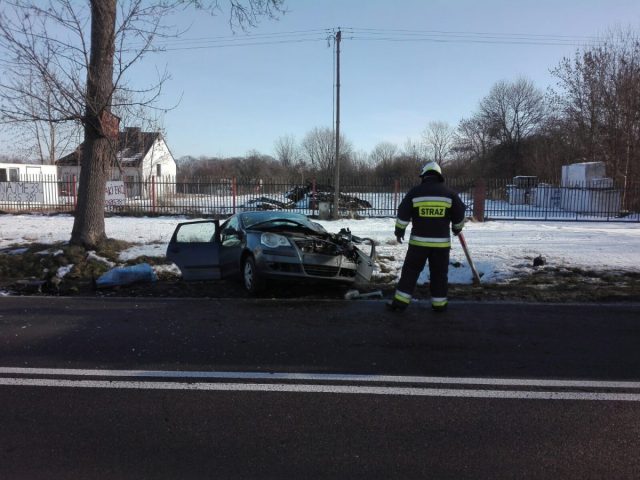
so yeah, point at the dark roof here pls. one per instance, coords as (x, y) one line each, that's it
(133, 145)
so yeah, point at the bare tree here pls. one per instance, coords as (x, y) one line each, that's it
(472, 139)
(512, 112)
(598, 101)
(76, 76)
(318, 146)
(45, 140)
(287, 151)
(438, 141)
(383, 152)
(414, 150)
(358, 164)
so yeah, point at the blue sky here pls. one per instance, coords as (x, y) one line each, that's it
(237, 98)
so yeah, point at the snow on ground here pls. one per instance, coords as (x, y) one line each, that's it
(499, 248)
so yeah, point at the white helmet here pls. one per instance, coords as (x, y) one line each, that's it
(431, 167)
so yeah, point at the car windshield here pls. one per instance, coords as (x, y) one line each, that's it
(278, 219)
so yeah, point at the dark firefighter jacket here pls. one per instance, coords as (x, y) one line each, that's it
(430, 207)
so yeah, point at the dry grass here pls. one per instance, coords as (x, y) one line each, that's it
(33, 271)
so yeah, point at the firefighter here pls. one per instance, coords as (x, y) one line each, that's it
(431, 207)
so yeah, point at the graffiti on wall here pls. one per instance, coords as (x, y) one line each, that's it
(21, 192)
(114, 194)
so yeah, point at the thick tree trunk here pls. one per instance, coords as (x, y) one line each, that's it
(98, 153)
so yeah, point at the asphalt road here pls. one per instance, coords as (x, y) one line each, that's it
(149, 388)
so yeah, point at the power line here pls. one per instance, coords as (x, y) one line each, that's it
(465, 33)
(226, 45)
(255, 35)
(170, 44)
(460, 41)
(438, 36)
(376, 35)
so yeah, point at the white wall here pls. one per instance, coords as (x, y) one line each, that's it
(589, 190)
(35, 184)
(66, 173)
(159, 154)
(32, 169)
(580, 174)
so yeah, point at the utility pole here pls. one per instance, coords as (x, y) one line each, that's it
(336, 163)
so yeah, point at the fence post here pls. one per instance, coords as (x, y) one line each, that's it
(234, 192)
(396, 189)
(153, 194)
(313, 197)
(74, 193)
(479, 197)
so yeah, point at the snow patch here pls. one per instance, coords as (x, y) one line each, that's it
(63, 271)
(153, 250)
(17, 251)
(499, 249)
(48, 252)
(91, 255)
(171, 269)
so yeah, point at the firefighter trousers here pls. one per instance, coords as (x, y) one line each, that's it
(438, 271)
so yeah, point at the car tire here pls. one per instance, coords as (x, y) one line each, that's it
(251, 279)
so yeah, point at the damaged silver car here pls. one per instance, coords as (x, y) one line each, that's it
(260, 246)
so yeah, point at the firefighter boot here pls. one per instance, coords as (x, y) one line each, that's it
(439, 308)
(396, 306)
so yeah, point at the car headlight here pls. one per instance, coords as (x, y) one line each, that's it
(273, 240)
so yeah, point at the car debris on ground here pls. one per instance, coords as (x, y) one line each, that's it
(356, 295)
(119, 276)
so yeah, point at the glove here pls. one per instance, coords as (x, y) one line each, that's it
(457, 228)
(399, 233)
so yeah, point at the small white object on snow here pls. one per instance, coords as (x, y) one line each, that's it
(91, 255)
(63, 271)
(355, 294)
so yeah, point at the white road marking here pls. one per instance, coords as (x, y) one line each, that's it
(334, 389)
(321, 377)
(311, 388)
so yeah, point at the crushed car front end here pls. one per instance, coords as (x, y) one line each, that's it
(328, 257)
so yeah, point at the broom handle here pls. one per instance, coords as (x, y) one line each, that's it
(463, 242)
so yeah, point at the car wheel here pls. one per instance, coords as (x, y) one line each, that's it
(253, 282)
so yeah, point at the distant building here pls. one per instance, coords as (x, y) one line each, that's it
(16, 172)
(142, 157)
(23, 183)
(588, 191)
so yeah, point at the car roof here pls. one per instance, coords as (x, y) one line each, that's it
(264, 215)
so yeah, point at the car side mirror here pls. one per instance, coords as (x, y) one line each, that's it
(229, 232)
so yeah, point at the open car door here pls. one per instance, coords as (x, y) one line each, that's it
(195, 249)
(365, 262)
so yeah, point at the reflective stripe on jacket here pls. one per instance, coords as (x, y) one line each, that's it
(430, 207)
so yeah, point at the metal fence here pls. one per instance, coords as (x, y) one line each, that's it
(360, 197)
(588, 201)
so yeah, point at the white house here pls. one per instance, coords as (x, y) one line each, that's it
(143, 158)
